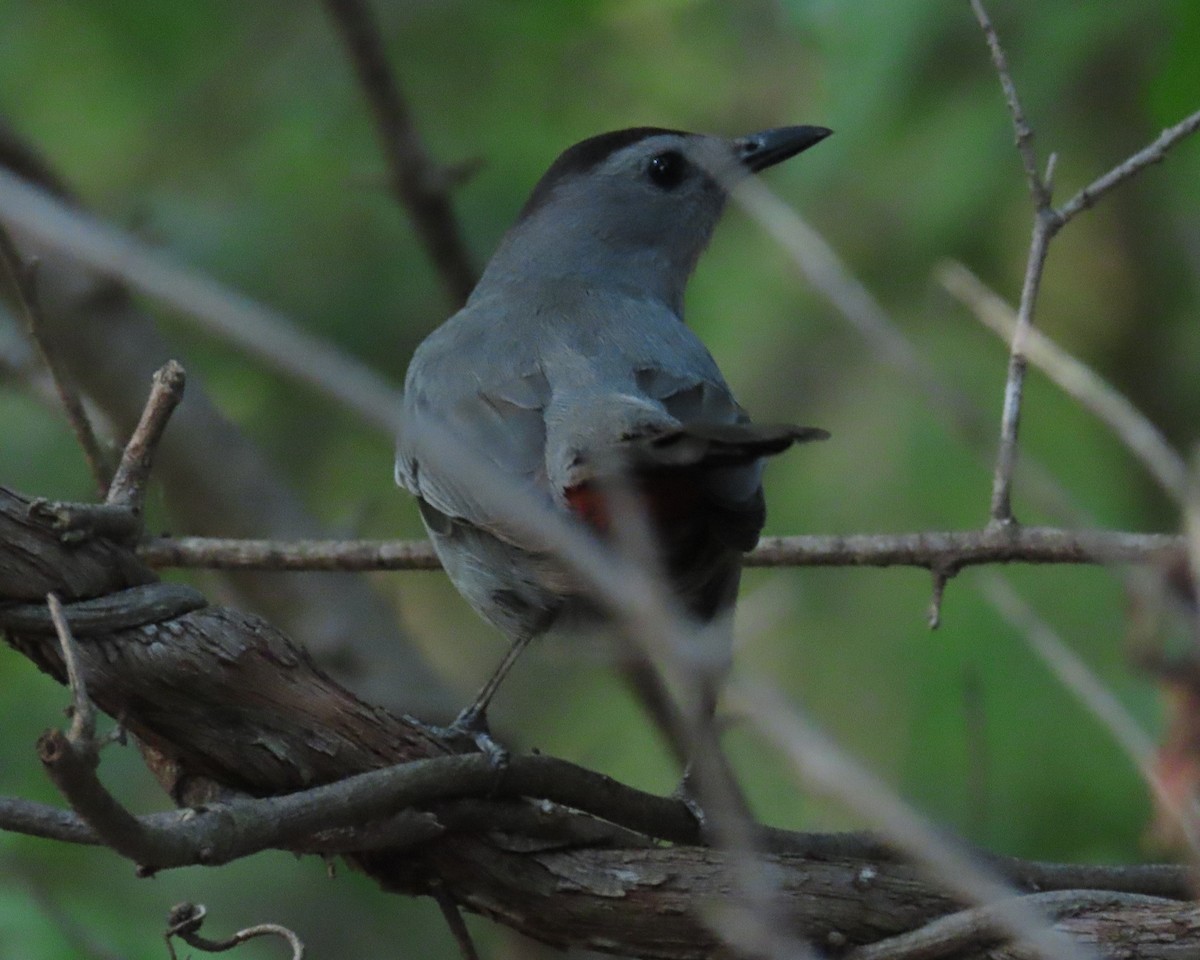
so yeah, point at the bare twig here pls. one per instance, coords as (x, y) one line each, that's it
(128, 488)
(948, 551)
(22, 279)
(185, 920)
(420, 184)
(1078, 380)
(261, 332)
(1047, 222)
(1153, 153)
(454, 920)
(1038, 188)
(221, 833)
(1044, 226)
(83, 715)
(979, 927)
(1010, 417)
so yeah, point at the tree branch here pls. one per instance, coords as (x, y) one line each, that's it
(949, 551)
(21, 279)
(419, 184)
(202, 690)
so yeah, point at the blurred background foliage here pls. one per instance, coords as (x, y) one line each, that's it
(234, 136)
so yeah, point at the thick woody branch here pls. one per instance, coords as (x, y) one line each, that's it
(202, 689)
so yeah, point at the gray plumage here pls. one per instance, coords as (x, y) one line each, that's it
(572, 353)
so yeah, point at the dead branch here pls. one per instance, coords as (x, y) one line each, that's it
(20, 278)
(215, 479)
(202, 690)
(946, 551)
(418, 183)
(1047, 221)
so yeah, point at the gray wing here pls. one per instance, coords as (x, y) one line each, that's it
(529, 393)
(458, 398)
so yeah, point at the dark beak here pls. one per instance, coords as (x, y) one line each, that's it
(757, 151)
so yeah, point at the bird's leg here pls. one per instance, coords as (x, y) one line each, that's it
(471, 723)
(474, 717)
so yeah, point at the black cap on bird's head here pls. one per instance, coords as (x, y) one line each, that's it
(752, 153)
(635, 208)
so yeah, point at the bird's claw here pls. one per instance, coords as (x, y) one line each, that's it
(471, 727)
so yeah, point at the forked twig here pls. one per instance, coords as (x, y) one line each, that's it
(1047, 222)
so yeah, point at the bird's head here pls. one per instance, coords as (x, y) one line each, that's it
(635, 208)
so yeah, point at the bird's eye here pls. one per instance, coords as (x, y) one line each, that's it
(667, 170)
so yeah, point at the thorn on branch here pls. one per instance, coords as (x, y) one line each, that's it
(941, 576)
(185, 919)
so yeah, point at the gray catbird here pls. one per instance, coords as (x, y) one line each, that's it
(571, 355)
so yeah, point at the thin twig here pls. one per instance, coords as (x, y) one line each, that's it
(454, 920)
(974, 929)
(420, 184)
(1044, 226)
(22, 279)
(185, 919)
(1024, 133)
(83, 715)
(1014, 385)
(1047, 222)
(1078, 380)
(128, 488)
(1153, 153)
(948, 551)
(221, 833)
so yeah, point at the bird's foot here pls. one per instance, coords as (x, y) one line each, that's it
(469, 727)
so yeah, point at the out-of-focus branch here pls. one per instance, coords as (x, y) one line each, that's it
(258, 330)
(215, 479)
(1101, 702)
(185, 685)
(948, 551)
(1080, 381)
(20, 278)
(419, 183)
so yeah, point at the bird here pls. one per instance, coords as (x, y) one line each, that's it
(570, 355)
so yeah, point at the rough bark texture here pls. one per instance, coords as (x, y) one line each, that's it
(216, 480)
(222, 701)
